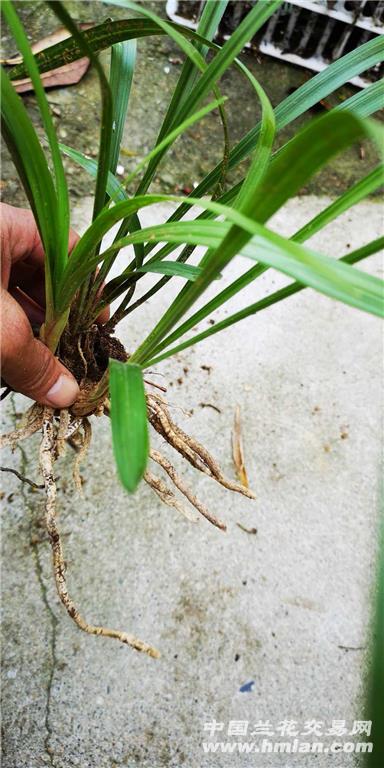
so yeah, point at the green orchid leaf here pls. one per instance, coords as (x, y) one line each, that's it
(129, 422)
(172, 268)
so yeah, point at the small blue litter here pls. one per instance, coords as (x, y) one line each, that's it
(247, 687)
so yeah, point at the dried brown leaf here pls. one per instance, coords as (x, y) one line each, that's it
(68, 74)
(237, 450)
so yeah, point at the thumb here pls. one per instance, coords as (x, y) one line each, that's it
(28, 366)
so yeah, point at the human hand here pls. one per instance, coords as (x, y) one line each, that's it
(28, 366)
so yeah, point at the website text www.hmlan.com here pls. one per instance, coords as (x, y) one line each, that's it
(295, 746)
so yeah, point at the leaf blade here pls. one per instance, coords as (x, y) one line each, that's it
(173, 269)
(123, 59)
(129, 422)
(311, 148)
(59, 203)
(114, 188)
(283, 293)
(106, 104)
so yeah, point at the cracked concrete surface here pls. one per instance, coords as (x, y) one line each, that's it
(286, 608)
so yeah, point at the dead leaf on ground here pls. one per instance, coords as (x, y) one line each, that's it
(237, 450)
(68, 74)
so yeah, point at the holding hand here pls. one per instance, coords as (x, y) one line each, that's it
(28, 366)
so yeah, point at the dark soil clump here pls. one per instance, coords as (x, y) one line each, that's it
(87, 354)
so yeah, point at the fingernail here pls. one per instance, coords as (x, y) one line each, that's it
(64, 392)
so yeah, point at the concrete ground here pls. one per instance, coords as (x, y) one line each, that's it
(266, 626)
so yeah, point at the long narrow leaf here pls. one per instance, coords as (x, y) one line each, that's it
(176, 116)
(299, 159)
(346, 127)
(99, 38)
(115, 192)
(319, 87)
(246, 30)
(362, 104)
(132, 223)
(354, 129)
(213, 11)
(57, 259)
(259, 162)
(33, 170)
(106, 110)
(172, 268)
(352, 196)
(211, 73)
(108, 33)
(169, 29)
(129, 422)
(365, 102)
(351, 258)
(311, 268)
(123, 58)
(114, 189)
(305, 97)
(331, 277)
(172, 135)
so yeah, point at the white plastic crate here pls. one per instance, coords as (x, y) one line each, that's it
(309, 33)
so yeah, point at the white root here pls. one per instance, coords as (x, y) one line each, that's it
(47, 454)
(167, 496)
(31, 423)
(82, 452)
(77, 431)
(178, 482)
(65, 420)
(188, 447)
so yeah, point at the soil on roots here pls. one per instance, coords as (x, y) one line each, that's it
(87, 354)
